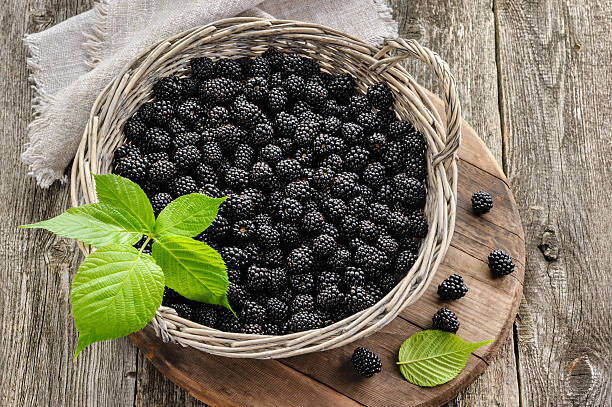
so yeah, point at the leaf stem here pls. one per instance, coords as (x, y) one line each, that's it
(144, 245)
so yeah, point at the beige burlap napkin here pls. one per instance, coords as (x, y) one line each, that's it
(71, 62)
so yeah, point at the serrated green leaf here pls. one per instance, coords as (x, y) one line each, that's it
(192, 268)
(96, 224)
(188, 215)
(430, 358)
(127, 197)
(115, 292)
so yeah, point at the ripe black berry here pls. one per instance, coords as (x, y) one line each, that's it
(365, 362)
(445, 320)
(500, 263)
(481, 202)
(452, 288)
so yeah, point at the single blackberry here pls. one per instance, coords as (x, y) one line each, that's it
(294, 86)
(175, 127)
(353, 276)
(302, 302)
(262, 134)
(268, 237)
(323, 246)
(271, 154)
(163, 111)
(183, 310)
(262, 219)
(285, 124)
(243, 230)
(276, 310)
(302, 283)
(290, 234)
(334, 209)
(399, 130)
(277, 99)
(349, 226)
(380, 96)
(133, 167)
(187, 157)
(259, 67)
(239, 206)
(376, 144)
(145, 113)
(233, 257)
(358, 207)
(324, 144)
(314, 93)
(227, 68)
(481, 202)
(340, 260)
(365, 362)
(386, 194)
(257, 279)
(409, 191)
(358, 104)
(357, 159)
(275, 80)
(190, 87)
(370, 259)
(327, 279)
(157, 139)
(275, 58)
(385, 118)
(305, 133)
(245, 64)
(452, 288)
(205, 174)
(394, 155)
(368, 231)
(160, 201)
(289, 210)
(287, 145)
(312, 222)
(416, 166)
(388, 245)
(273, 257)
(300, 260)
(252, 329)
(342, 87)
(236, 178)
(358, 299)
(253, 313)
(244, 111)
(273, 329)
(236, 293)
(218, 91)
(256, 89)
(168, 88)
(134, 130)
(379, 213)
(229, 137)
(332, 108)
(329, 298)
(186, 139)
(500, 263)
(182, 185)
(211, 154)
(253, 252)
(261, 175)
(417, 224)
(368, 121)
(219, 228)
(217, 116)
(405, 261)
(202, 68)
(234, 276)
(304, 321)
(288, 170)
(299, 190)
(227, 322)
(277, 280)
(206, 315)
(345, 185)
(243, 157)
(445, 320)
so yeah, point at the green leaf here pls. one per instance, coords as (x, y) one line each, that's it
(115, 292)
(188, 215)
(127, 197)
(95, 224)
(192, 268)
(430, 358)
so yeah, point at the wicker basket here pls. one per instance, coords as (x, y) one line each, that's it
(337, 52)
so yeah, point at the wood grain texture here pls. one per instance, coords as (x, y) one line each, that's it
(557, 117)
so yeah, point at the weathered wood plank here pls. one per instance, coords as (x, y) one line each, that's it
(463, 33)
(38, 337)
(556, 85)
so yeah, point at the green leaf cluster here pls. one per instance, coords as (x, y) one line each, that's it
(431, 357)
(118, 288)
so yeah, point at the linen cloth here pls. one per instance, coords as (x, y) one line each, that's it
(73, 61)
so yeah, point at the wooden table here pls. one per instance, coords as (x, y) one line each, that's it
(535, 79)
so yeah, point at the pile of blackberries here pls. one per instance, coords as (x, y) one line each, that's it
(326, 186)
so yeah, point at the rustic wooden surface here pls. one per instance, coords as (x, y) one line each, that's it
(535, 81)
(487, 312)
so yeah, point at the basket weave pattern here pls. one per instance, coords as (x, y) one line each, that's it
(336, 52)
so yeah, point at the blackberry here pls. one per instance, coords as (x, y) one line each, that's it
(500, 263)
(239, 206)
(259, 67)
(481, 202)
(275, 80)
(187, 157)
(211, 153)
(253, 252)
(329, 298)
(379, 213)
(245, 64)
(206, 315)
(163, 111)
(273, 257)
(357, 159)
(168, 88)
(182, 185)
(300, 107)
(368, 121)
(415, 142)
(219, 228)
(368, 231)
(262, 219)
(394, 155)
(134, 130)
(380, 96)
(271, 154)
(365, 362)
(183, 311)
(277, 99)
(257, 279)
(290, 234)
(302, 283)
(275, 58)
(385, 118)
(445, 320)
(133, 167)
(145, 113)
(334, 209)
(244, 111)
(300, 260)
(157, 139)
(374, 290)
(377, 144)
(452, 288)
(202, 68)
(299, 190)
(304, 321)
(305, 133)
(288, 170)
(417, 224)
(234, 276)
(342, 87)
(205, 174)
(186, 139)
(322, 178)
(294, 86)
(252, 329)
(160, 201)
(358, 207)
(285, 124)
(211, 190)
(236, 178)
(262, 134)
(416, 166)
(228, 323)
(399, 129)
(312, 222)
(253, 313)
(345, 185)
(358, 299)
(302, 302)
(277, 280)
(233, 257)
(370, 259)
(227, 68)
(353, 276)
(323, 246)
(386, 194)
(331, 125)
(409, 191)
(273, 329)
(289, 210)
(352, 133)
(236, 293)
(243, 230)
(324, 144)
(175, 127)
(357, 105)
(349, 226)
(261, 175)
(229, 137)
(277, 310)
(243, 157)
(388, 245)
(268, 237)
(315, 94)
(405, 261)
(340, 260)
(256, 89)
(190, 87)
(217, 116)
(327, 279)
(218, 91)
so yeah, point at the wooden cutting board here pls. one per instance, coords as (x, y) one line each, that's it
(326, 378)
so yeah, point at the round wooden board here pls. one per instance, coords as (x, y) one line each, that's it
(326, 378)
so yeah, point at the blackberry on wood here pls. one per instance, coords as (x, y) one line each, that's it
(452, 288)
(445, 320)
(365, 362)
(481, 202)
(500, 263)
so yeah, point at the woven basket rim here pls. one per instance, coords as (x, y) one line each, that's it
(101, 136)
